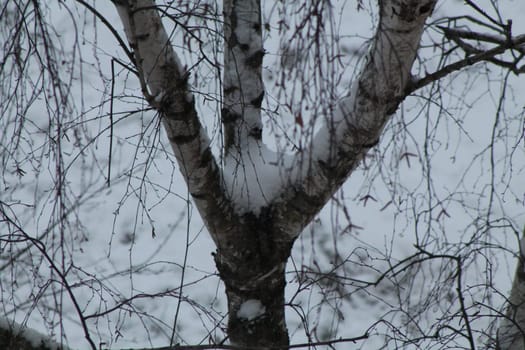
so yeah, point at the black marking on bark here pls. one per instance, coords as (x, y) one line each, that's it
(335, 174)
(206, 157)
(230, 90)
(520, 272)
(391, 109)
(229, 116)
(267, 244)
(196, 195)
(371, 144)
(256, 133)
(365, 90)
(426, 8)
(183, 139)
(232, 40)
(142, 37)
(325, 167)
(394, 11)
(244, 47)
(256, 248)
(400, 31)
(233, 16)
(251, 261)
(257, 102)
(255, 60)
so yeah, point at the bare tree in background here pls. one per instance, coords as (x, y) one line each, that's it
(256, 201)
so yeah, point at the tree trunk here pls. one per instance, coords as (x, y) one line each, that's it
(253, 229)
(252, 266)
(511, 333)
(256, 314)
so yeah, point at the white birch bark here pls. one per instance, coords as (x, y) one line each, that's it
(164, 84)
(243, 85)
(353, 129)
(360, 117)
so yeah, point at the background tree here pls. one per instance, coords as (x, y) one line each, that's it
(254, 197)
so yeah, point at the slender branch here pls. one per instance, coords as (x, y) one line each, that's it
(183, 273)
(233, 347)
(489, 55)
(461, 298)
(64, 215)
(468, 34)
(62, 274)
(482, 12)
(110, 28)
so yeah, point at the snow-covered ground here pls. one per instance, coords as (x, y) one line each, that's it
(446, 177)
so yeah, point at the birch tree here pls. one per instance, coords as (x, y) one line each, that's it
(256, 202)
(255, 232)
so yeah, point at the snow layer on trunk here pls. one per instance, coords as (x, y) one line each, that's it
(251, 309)
(255, 176)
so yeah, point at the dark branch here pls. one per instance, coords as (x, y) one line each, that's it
(516, 43)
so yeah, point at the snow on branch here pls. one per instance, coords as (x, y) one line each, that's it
(359, 118)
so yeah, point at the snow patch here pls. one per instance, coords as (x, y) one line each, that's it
(255, 176)
(33, 337)
(159, 97)
(251, 309)
(338, 127)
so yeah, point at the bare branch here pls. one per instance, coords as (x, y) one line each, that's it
(234, 347)
(489, 55)
(53, 265)
(109, 26)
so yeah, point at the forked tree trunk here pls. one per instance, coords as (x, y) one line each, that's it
(254, 232)
(253, 244)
